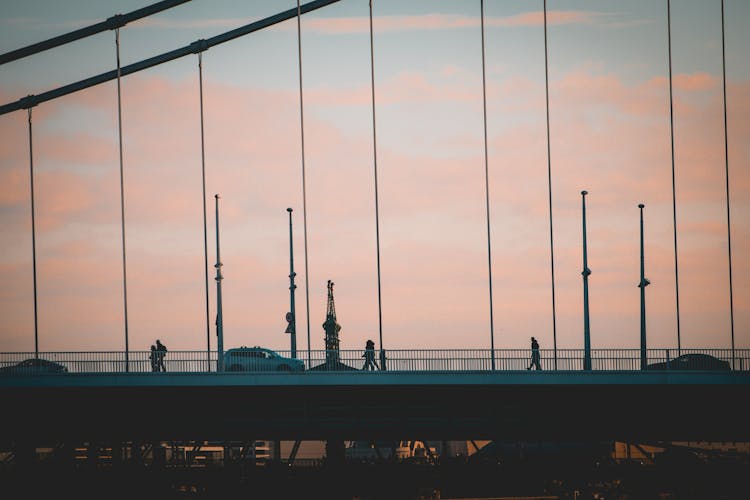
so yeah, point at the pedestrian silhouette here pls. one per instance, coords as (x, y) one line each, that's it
(534, 355)
(161, 351)
(153, 358)
(369, 356)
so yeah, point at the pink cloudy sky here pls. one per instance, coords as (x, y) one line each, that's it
(609, 113)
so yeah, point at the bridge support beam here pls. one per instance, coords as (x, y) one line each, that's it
(335, 451)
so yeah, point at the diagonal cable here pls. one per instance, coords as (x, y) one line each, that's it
(726, 165)
(487, 189)
(549, 188)
(205, 225)
(377, 202)
(674, 190)
(304, 178)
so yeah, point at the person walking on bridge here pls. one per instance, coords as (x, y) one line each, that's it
(369, 356)
(535, 357)
(153, 357)
(161, 351)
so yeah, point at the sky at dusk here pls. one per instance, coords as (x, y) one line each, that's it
(610, 135)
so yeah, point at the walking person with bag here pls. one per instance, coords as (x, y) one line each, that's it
(161, 351)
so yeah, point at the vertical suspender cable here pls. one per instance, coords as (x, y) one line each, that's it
(726, 164)
(122, 202)
(487, 188)
(377, 202)
(304, 185)
(33, 236)
(549, 188)
(674, 195)
(205, 228)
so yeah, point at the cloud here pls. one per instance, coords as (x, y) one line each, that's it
(36, 23)
(153, 22)
(13, 187)
(693, 82)
(608, 136)
(387, 24)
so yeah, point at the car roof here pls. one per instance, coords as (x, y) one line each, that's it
(245, 348)
(38, 361)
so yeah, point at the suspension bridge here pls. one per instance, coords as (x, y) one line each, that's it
(480, 393)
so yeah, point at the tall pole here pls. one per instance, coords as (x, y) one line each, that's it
(726, 164)
(122, 203)
(291, 315)
(487, 192)
(642, 284)
(33, 235)
(674, 193)
(586, 272)
(219, 314)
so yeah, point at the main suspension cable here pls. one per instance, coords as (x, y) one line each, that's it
(189, 49)
(487, 189)
(114, 22)
(304, 183)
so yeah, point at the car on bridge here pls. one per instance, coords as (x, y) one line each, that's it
(33, 366)
(251, 359)
(693, 361)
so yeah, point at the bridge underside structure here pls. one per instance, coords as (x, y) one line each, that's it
(530, 406)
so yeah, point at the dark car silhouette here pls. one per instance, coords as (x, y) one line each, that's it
(692, 362)
(250, 359)
(33, 366)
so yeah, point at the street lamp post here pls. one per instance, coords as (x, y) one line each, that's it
(586, 272)
(642, 284)
(219, 314)
(291, 315)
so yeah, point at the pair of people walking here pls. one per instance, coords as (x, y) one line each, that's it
(369, 356)
(156, 357)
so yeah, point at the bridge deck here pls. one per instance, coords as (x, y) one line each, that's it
(382, 405)
(385, 378)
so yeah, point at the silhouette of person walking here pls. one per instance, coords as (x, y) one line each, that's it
(161, 351)
(534, 355)
(153, 358)
(369, 356)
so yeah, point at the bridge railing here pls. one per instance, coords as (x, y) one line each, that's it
(402, 360)
(105, 362)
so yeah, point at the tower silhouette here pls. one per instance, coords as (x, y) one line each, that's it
(332, 328)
